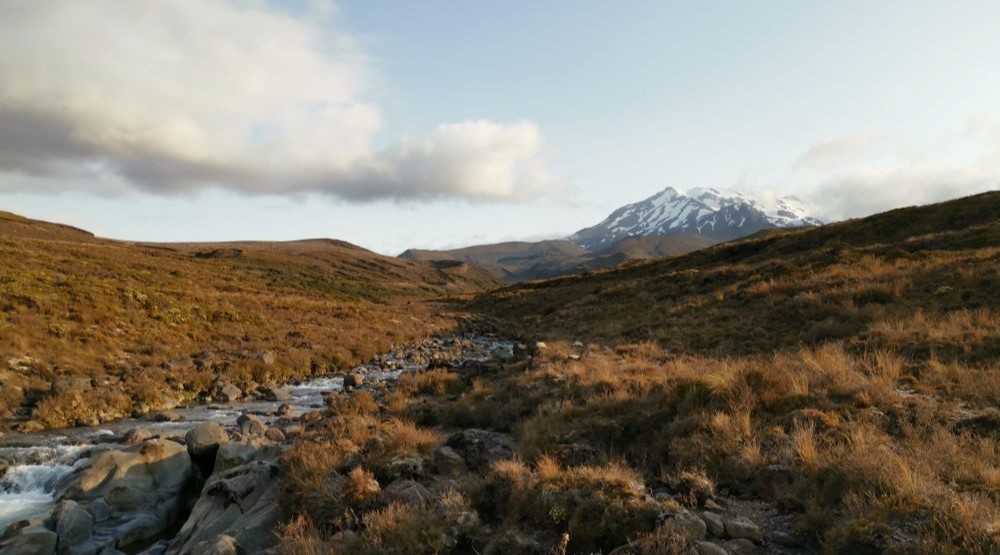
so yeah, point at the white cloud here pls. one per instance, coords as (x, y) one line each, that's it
(185, 95)
(873, 176)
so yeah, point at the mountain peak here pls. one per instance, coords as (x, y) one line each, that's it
(720, 215)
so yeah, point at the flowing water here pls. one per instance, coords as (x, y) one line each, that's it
(38, 461)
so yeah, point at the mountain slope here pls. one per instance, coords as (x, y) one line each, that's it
(511, 261)
(846, 375)
(148, 325)
(780, 288)
(709, 212)
(520, 261)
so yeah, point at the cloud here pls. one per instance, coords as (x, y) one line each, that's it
(893, 173)
(180, 96)
(836, 150)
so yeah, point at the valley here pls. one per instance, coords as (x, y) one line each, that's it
(807, 390)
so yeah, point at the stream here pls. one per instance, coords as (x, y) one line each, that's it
(38, 461)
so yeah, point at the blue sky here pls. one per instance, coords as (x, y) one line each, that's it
(437, 124)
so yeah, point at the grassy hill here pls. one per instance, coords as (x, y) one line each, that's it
(520, 261)
(847, 375)
(78, 312)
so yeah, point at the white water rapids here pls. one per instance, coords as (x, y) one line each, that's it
(26, 489)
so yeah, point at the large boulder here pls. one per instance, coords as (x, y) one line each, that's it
(143, 487)
(72, 524)
(481, 448)
(155, 468)
(204, 439)
(32, 540)
(241, 503)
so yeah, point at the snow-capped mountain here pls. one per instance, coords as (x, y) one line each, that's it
(719, 215)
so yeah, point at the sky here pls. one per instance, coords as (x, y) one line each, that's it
(441, 124)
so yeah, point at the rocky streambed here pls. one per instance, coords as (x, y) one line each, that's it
(194, 480)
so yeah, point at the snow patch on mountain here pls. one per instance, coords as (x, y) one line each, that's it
(721, 215)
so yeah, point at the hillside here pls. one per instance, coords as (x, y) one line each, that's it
(842, 379)
(520, 261)
(79, 312)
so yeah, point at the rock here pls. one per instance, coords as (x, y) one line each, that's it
(167, 416)
(240, 502)
(311, 416)
(481, 448)
(742, 527)
(72, 524)
(14, 528)
(227, 392)
(154, 469)
(204, 440)
(32, 540)
(110, 551)
(406, 492)
(233, 454)
(136, 436)
(448, 462)
(406, 467)
(778, 537)
(277, 394)
(286, 409)
(100, 510)
(685, 522)
(251, 425)
(221, 545)
(714, 524)
(709, 548)
(275, 435)
(712, 505)
(540, 346)
(740, 546)
(353, 380)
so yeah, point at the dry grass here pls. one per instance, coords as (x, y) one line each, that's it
(135, 318)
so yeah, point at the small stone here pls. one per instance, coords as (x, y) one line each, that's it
(406, 492)
(167, 416)
(100, 510)
(227, 392)
(714, 523)
(742, 527)
(285, 409)
(448, 461)
(709, 548)
(135, 436)
(713, 505)
(741, 546)
(275, 435)
(353, 380)
(277, 394)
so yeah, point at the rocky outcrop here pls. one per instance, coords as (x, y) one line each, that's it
(239, 502)
(138, 493)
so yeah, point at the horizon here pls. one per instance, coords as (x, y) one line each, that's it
(405, 129)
